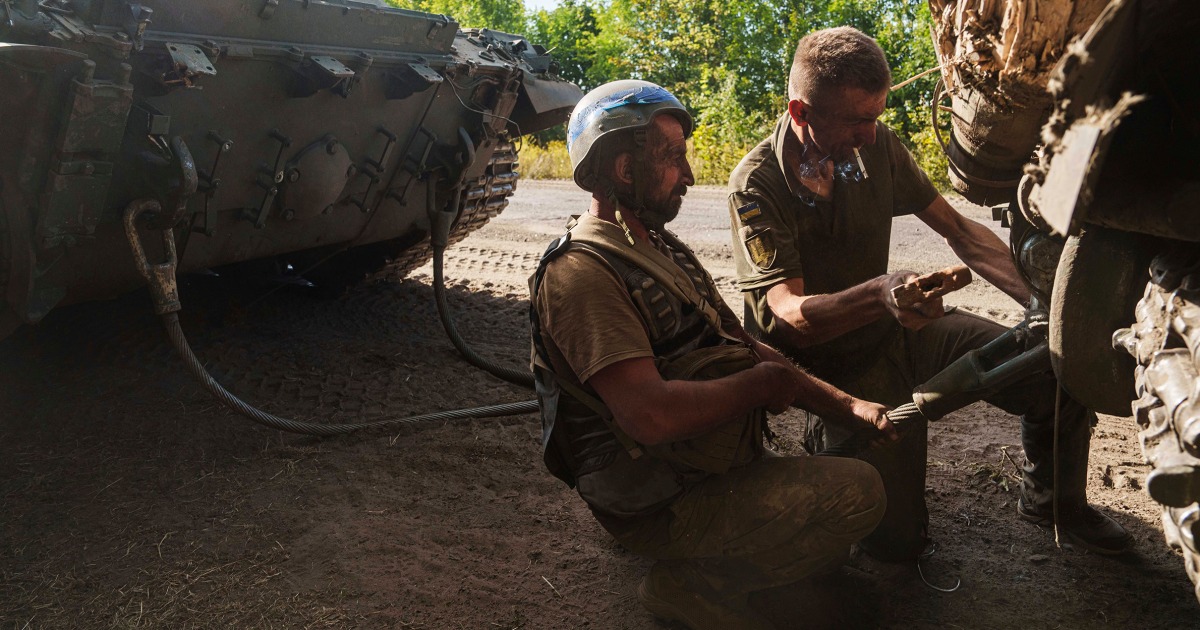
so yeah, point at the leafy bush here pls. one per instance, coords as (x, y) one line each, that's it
(931, 158)
(725, 131)
(714, 155)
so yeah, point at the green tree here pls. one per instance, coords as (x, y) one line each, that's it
(725, 129)
(727, 60)
(568, 32)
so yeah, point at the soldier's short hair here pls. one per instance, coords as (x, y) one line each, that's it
(835, 58)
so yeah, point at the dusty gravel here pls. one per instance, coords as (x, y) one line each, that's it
(132, 499)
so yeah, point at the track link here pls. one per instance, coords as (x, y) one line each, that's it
(1165, 341)
(481, 201)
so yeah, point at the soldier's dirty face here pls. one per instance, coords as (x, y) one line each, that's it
(840, 122)
(670, 171)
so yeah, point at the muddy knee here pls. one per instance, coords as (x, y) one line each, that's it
(863, 500)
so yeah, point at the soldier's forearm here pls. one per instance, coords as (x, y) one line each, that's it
(653, 411)
(989, 257)
(807, 320)
(832, 404)
(813, 394)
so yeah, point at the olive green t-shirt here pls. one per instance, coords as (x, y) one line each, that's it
(588, 320)
(833, 245)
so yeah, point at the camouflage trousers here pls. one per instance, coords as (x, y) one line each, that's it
(912, 358)
(769, 523)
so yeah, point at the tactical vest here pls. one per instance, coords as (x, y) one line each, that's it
(582, 445)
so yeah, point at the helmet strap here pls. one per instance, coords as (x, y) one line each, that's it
(612, 198)
(638, 178)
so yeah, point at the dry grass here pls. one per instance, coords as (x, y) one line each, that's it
(710, 164)
(185, 587)
(545, 162)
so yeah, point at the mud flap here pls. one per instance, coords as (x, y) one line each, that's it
(1100, 277)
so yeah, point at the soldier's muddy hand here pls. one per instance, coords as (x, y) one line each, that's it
(918, 315)
(875, 415)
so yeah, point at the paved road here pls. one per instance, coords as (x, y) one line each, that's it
(542, 208)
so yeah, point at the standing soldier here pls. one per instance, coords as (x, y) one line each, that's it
(653, 396)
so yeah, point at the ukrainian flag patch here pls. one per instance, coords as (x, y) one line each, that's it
(749, 212)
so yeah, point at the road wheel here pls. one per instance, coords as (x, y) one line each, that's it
(1165, 342)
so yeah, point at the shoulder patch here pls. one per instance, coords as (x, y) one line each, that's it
(761, 248)
(749, 212)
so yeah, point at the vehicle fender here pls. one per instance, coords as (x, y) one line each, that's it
(543, 102)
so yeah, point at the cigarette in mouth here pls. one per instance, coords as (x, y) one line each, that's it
(862, 167)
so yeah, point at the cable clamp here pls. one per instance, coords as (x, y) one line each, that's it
(159, 276)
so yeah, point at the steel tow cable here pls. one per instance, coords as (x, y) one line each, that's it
(161, 279)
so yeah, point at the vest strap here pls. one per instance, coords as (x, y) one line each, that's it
(658, 266)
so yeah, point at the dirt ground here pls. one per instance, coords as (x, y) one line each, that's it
(131, 499)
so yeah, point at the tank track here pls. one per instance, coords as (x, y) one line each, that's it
(480, 201)
(1165, 341)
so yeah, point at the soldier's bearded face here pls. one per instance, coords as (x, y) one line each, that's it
(670, 172)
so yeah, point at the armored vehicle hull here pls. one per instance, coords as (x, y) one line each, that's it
(1106, 219)
(332, 136)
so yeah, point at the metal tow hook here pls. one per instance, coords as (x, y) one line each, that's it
(160, 276)
(983, 372)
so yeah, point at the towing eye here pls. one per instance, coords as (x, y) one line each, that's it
(165, 293)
